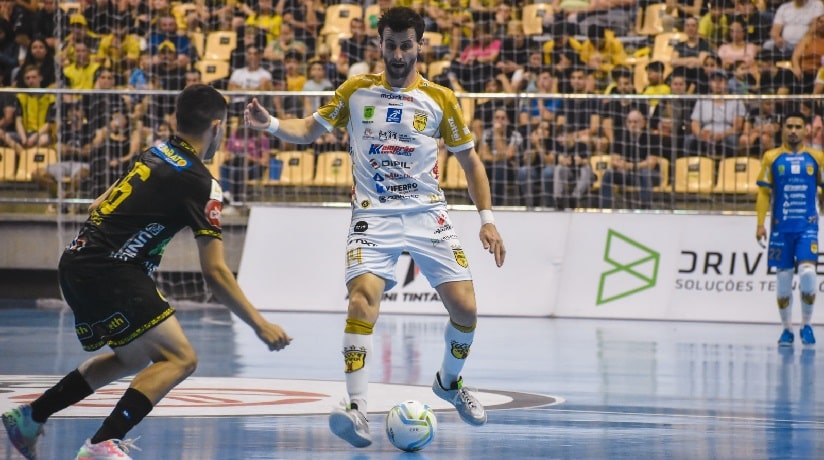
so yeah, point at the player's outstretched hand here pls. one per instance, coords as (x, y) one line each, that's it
(274, 336)
(493, 242)
(255, 115)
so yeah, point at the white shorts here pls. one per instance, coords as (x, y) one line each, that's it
(376, 242)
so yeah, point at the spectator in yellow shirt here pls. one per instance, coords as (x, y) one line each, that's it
(80, 73)
(119, 50)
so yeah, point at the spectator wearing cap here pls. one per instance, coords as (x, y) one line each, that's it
(251, 77)
(370, 62)
(119, 50)
(166, 31)
(78, 32)
(791, 22)
(717, 123)
(772, 79)
(170, 74)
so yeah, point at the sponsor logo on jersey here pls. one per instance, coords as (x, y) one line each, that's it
(385, 198)
(362, 242)
(395, 136)
(398, 97)
(419, 120)
(394, 115)
(377, 177)
(395, 164)
(402, 187)
(216, 193)
(365, 204)
(367, 133)
(360, 226)
(453, 128)
(212, 211)
(354, 257)
(810, 170)
(379, 188)
(374, 163)
(335, 113)
(168, 154)
(383, 149)
(460, 257)
(368, 112)
(397, 176)
(138, 241)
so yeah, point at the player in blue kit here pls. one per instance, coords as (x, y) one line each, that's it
(395, 120)
(789, 179)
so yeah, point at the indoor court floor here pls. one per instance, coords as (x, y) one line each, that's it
(555, 388)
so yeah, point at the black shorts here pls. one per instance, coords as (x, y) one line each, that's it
(113, 303)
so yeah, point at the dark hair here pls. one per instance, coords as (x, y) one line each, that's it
(401, 18)
(197, 107)
(796, 114)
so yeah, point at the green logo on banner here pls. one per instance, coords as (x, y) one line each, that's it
(368, 112)
(635, 268)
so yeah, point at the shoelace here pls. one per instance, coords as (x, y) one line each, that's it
(126, 444)
(466, 397)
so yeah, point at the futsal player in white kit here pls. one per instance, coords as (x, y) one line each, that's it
(395, 120)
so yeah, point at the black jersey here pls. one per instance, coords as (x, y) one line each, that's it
(167, 189)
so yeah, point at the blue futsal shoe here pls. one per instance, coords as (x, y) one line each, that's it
(807, 336)
(787, 338)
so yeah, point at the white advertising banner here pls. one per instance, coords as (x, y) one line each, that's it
(293, 259)
(668, 266)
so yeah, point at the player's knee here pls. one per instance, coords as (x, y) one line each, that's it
(360, 307)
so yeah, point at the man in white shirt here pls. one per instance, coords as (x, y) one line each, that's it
(251, 77)
(791, 22)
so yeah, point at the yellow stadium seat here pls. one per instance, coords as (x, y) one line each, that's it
(599, 164)
(297, 168)
(7, 160)
(334, 169)
(651, 20)
(662, 47)
(219, 45)
(198, 42)
(664, 169)
(533, 16)
(373, 10)
(211, 70)
(737, 175)
(32, 159)
(694, 175)
(430, 40)
(454, 177)
(332, 40)
(338, 18)
(70, 8)
(436, 68)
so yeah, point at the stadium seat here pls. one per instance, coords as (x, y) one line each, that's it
(332, 40)
(599, 164)
(651, 20)
(338, 18)
(373, 10)
(737, 175)
(33, 159)
(694, 175)
(219, 45)
(454, 177)
(334, 169)
(197, 39)
(430, 40)
(298, 168)
(664, 168)
(662, 47)
(212, 70)
(70, 8)
(7, 160)
(436, 68)
(532, 17)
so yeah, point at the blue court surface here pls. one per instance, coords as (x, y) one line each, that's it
(554, 388)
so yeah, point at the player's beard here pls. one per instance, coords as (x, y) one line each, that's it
(398, 74)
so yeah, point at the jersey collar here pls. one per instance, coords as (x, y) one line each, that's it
(411, 87)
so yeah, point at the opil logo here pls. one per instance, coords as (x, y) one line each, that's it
(634, 268)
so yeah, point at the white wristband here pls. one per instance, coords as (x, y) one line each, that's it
(274, 124)
(486, 217)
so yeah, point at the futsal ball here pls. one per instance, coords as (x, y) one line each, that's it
(411, 425)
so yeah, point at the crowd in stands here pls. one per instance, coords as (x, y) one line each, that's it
(537, 148)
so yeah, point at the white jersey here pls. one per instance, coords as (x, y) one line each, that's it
(393, 140)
